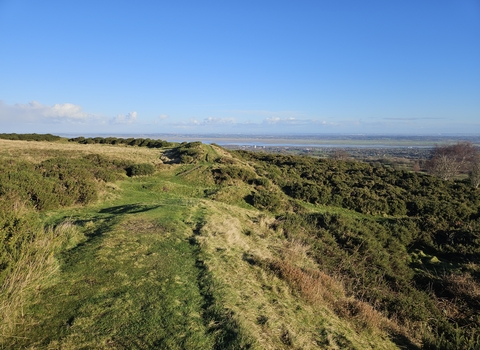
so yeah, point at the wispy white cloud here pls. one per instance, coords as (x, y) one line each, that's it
(35, 112)
(263, 113)
(297, 121)
(410, 119)
(269, 123)
(272, 120)
(129, 118)
(160, 118)
(215, 120)
(210, 121)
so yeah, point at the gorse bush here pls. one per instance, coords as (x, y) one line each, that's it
(139, 142)
(140, 169)
(264, 199)
(189, 152)
(72, 179)
(233, 172)
(63, 181)
(412, 225)
(365, 188)
(19, 225)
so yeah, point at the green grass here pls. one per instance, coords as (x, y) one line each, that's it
(182, 259)
(134, 281)
(124, 290)
(131, 284)
(147, 269)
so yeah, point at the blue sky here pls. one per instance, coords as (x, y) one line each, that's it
(403, 67)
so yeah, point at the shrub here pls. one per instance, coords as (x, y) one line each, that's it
(18, 226)
(266, 200)
(140, 142)
(190, 152)
(141, 169)
(233, 172)
(261, 181)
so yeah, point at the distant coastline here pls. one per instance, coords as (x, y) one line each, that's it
(305, 140)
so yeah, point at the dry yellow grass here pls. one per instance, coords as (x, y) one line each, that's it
(38, 151)
(323, 290)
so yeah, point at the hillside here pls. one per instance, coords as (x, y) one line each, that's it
(189, 246)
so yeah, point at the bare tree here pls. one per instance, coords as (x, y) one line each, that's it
(447, 161)
(340, 154)
(474, 174)
(416, 167)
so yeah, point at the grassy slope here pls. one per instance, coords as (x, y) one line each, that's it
(160, 264)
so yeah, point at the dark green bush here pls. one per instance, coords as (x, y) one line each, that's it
(375, 255)
(189, 152)
(261, 181)
(365, 188)
(264, 199)
(58, 181)
(140, 169)
(19, 224)
(140, 142)
(233, 172)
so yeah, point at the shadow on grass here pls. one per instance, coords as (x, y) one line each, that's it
(129, 209)
(403, 342)
(97, 225)
(93, 235)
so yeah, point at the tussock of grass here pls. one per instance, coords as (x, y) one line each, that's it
(34, 270)
(314, 285)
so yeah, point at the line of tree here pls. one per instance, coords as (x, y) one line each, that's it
(140, 142)
(449, 161)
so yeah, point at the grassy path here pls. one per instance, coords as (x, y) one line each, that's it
(135, 282)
